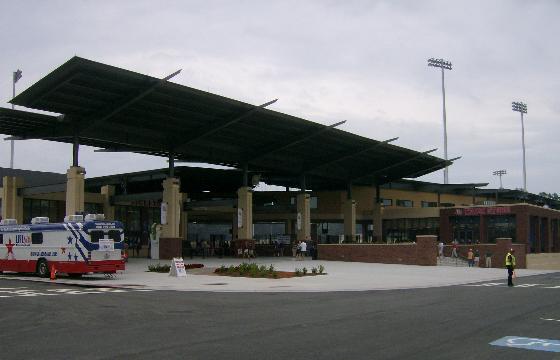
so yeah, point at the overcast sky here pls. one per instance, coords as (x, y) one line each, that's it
(326, 61)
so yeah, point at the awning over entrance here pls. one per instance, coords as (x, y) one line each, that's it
(120, 110)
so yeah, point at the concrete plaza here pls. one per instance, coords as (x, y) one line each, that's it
(340, 276)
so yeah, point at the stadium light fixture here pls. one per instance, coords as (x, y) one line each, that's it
(521, 108)
(443, 65)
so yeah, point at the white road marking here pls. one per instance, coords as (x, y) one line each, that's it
(486, 284)
(550, 319)
(21, 287)
(25, 292)
(501, 284)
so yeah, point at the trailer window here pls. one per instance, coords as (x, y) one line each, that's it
(115, 235)
(96, 235)
(37, 238)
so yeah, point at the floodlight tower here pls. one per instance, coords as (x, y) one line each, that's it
(500, 173)
(15, 77)
(443, 65)
(522, 109)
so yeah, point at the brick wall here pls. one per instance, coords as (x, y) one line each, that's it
(423, 252)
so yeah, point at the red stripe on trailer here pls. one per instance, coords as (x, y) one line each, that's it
(81, 267)
(69, 267)
(18, 265)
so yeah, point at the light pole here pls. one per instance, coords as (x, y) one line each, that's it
(16, 76)
(522, 109)
(500, 173)
(443, 65)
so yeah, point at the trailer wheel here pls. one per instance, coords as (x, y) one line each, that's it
(43, 268)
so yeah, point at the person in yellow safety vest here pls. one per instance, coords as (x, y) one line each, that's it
(510, 265)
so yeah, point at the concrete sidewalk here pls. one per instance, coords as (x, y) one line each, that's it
(341, 276)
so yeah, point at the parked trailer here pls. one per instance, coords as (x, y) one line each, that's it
(74, 247)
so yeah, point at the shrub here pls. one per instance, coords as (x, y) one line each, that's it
(304, 271)
(271, 269)
(159, 268)
(298, 272)
(314, 270)
(321, 269)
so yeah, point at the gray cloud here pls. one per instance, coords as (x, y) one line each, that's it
(361, 61)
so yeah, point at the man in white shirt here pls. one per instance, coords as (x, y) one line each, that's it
(303, 249)
(440, 248)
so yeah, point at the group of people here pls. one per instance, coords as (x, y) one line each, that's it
(278, 248)
(473, 258)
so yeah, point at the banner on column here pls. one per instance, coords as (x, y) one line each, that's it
(178, 268)
(163, 213)
(239, 218)
(298, 221)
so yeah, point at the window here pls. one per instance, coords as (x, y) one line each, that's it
(428, 204)
(313, 202)
(1, 238)
(53, 209)
(93, 208)
(37, 238)
(501, 226)
(95, 235)
(115, 235)
(405, 203)
(447, 205)
(406, 229)
(386, 202)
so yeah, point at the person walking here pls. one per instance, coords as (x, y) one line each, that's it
(281, 248)
(440, 249)
(454, 252)
(138, 247)
(488, 259)
(510, 265)
(470, 258)
(476, 258)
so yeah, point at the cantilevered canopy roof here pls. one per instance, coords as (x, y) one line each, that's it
(120, 110)
(423, 186)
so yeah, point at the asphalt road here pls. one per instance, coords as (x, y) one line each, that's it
(50, 321)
